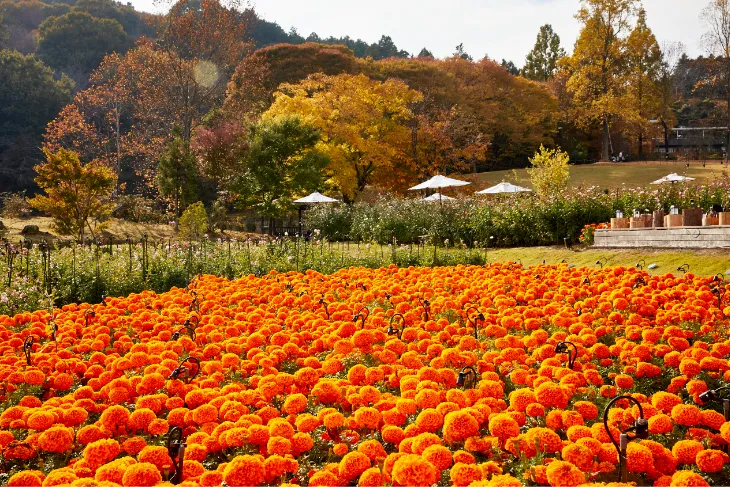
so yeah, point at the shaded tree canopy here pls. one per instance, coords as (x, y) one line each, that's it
(75, 43)
(30, 98)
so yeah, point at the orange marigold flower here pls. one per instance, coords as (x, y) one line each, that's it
(660, 424)
(371, 478)
(141, 474)
(564, 474)
(685, 451)
(353, 464)
(710, 461)
(578, 455)
(57, 439)
(324, 479)
(463, 474)
(244, 470)
(639, 458)
(25, 479)
(503, 426)
(115, 417)
(157, 456)
(685, 478)
(665, 401)
(460, 425)
(373, 449)
(686, 415)
(413, 470)
(439, 456)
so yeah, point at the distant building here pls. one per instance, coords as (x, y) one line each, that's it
(693, 141)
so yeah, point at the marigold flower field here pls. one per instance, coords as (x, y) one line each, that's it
(373, 377)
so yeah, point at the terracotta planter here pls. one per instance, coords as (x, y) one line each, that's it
(692, 217)
(658, 218)
(710, 220)
(638, 222)
(725, 218)
(673, 220)
(619, 223)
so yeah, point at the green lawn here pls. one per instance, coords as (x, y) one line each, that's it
(701, 262)
(611, 175)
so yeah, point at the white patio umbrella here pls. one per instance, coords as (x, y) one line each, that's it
(439, 182)
(314, 198)
(504, 187)
(673, 178)
(438, 197)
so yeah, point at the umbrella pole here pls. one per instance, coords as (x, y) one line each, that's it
(300, 219)
(441, 198)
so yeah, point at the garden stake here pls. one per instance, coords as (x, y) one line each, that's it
(475, 321)
(176, 450)
(641, 429)
(394, 330)
(562, 347)
(464, 375)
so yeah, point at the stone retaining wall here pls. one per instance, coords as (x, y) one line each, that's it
(711, 237)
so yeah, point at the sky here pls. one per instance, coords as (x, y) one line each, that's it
(500, 29)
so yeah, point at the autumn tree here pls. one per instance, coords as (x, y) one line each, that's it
(644, 60)
(283, 162)
(363, 125)
(716, 16)
(206, 31)
(77, 196)
(598, 65)
(220, 150)
(542, 61)
(76, 43)
(256, 78)
(177, 174)
(549, 172)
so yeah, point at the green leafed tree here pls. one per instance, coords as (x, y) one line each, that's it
(510, 67)
(461, 53)
(3, 34)
(76, 43)
(542, 61)
(177, 173)
(76, 196)
(193, 222)
(549, 172)
(425, 53)
(283, 162)
(29, 99)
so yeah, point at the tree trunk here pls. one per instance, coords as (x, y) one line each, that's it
(604, 153)
(641, 146)
(666, 139)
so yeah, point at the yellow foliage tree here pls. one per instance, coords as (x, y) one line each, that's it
(364, 125)
(76, 195)
(598, 65)
(550, 172)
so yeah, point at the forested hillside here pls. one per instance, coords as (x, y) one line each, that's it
(122, 87)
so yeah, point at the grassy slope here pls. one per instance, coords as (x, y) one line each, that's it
(704, 262)
(607, 175)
